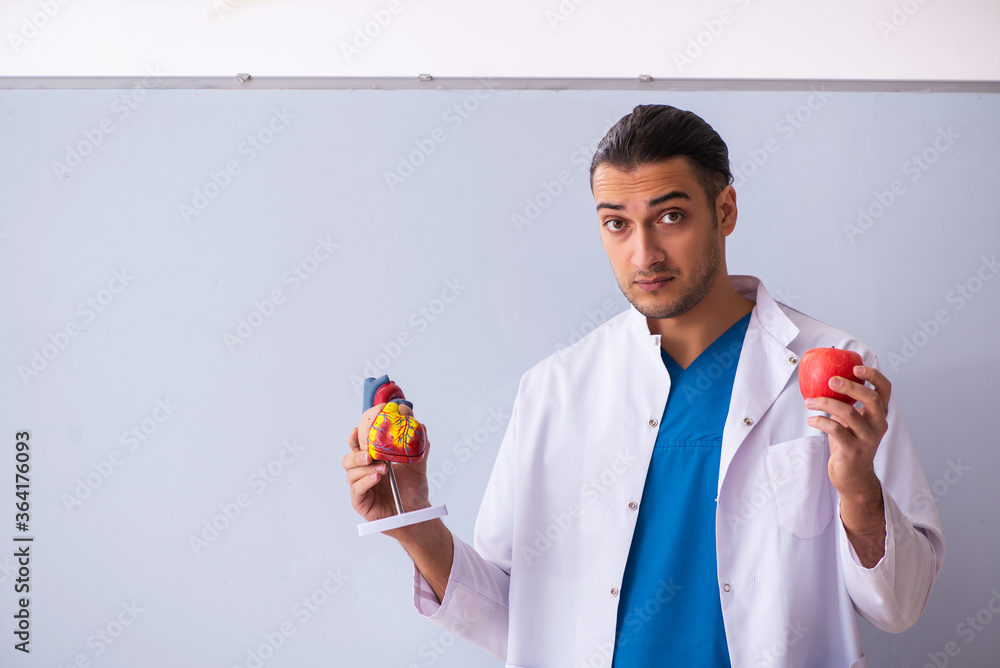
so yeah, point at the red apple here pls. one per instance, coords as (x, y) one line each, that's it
(819, 365)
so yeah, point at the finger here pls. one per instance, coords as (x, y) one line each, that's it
(359, 472)
(359, 488)
(843, 446)
(845, 415)
(871, 413)
(355, 459)
(836, 431)
(857, 391)
(882, 385)
(352, 440)
(350, 461)
(873, 407)
(835, 408)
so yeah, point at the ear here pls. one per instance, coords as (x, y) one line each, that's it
(725, 210)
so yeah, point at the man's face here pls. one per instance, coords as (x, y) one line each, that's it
(661, 235)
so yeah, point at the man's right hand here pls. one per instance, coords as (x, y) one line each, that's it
(429, 544)
(371, 494)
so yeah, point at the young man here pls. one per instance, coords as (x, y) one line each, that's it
(663, 495)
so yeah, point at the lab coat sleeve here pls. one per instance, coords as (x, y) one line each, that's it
(894, 592)
(475, 600)
(475, 605)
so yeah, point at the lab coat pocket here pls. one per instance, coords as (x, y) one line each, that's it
(801, 486)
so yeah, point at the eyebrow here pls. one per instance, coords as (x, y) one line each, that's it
(673, 194)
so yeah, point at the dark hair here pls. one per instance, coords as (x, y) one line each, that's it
(657, 132)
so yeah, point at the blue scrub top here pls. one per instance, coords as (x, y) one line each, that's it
(670, 611)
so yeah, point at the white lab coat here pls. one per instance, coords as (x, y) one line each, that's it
(540, 589)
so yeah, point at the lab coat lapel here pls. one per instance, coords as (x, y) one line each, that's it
(764, 368)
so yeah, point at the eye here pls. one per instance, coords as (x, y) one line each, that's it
(673, 216)
(614, 225)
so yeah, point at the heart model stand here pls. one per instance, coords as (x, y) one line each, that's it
(393, 437)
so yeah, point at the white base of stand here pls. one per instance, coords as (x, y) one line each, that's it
(404, 520)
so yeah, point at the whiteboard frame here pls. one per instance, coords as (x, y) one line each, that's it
(429, 82)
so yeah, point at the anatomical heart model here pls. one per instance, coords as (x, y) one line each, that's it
(392, 435)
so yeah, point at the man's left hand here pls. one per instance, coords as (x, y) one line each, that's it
(855, 434)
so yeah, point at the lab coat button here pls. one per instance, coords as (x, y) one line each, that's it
(747, 421)
(652, 422)
(793, 360)
(614, 591)
(632, 505)
(726, 588)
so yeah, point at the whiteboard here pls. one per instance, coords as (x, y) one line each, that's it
(195, 281)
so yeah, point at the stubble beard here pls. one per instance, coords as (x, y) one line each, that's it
(702, 281)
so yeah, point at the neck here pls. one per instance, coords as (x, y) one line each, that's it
(688, 335)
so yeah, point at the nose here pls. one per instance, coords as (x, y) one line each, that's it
(646, 252)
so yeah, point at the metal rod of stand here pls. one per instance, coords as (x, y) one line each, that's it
(395, 490)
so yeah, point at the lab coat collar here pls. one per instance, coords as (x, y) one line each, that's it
(768, 313)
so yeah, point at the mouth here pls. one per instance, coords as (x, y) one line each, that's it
(653, 284)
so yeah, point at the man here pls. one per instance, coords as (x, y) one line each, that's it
(663, 495)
